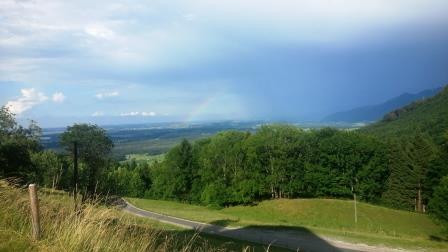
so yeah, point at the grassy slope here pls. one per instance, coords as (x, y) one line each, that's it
(97, 228)
(333, 218)
(429, 116)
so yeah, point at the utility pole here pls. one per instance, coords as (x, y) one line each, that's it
(356, 211)
(75, 174)
(354, 199)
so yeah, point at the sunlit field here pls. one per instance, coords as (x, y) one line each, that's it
(328, 217)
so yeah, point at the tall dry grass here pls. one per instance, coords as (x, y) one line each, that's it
(92, 228)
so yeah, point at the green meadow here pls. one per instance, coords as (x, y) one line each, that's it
(328, 217)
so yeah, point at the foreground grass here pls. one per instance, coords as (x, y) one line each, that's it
(331, 218)
(95, 228)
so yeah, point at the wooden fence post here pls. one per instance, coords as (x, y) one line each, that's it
(75, 175)
(34, 211)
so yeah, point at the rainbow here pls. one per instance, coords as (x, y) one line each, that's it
(201, 108)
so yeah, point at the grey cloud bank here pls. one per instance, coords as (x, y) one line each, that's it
(195, 60)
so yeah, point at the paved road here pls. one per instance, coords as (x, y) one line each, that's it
(293, 240)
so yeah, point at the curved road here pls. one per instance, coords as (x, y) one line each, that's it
(293, 240)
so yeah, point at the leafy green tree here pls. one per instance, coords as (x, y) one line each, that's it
(161, 183)
(16, 146)
(438, 206)
(50, 168)
(223, 170)
(277, 161)
(174, 178)
(316, 180)
(341, 163)
(274, 151)
(94, 146)
(144, 173)
(198, 184)
(371, 178)
(337, 154)
(125, 182)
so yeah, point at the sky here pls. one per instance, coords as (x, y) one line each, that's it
(127, 61)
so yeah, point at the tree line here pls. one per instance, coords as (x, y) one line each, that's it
(281, 161)
(233, 167)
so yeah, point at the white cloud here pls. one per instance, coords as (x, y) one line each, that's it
(30, 98)
(98, 113)
(148, 114)
(99, 31)
(189, 17)
(136, 113)
(58, 97)
(130, 114)
(107, 94)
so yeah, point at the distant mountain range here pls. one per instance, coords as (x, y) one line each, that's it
(429, 116)
(376, 112)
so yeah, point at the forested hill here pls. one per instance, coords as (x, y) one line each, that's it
(428, 116)
(375, 112)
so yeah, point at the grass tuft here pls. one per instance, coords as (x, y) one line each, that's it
(92, 228)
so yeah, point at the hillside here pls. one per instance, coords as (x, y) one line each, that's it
(428, 116)
(376, 112)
